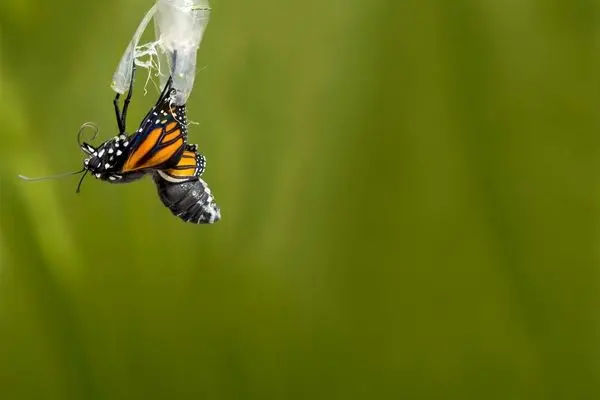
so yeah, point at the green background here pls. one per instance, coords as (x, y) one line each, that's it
(410, 204)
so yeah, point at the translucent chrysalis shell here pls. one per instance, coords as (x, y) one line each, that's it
(179, 27)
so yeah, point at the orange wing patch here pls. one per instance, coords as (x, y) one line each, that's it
(188, 159)
(182, 173)
(162, 155)
(189, 154)
(171, 135)
(186, 167)
(147, 145)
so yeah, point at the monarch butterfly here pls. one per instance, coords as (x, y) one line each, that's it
(158, 147)
(157, 144)
(183, 192)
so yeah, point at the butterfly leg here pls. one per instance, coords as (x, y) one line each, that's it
(122, 117)
(118, 113)
(127, 100)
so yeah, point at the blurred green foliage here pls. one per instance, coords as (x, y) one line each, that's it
(409, 193)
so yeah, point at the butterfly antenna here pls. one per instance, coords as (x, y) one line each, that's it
(46, 178)
(81, 181)
(82, 128)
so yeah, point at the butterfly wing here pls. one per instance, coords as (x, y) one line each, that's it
(183, 192)
(160, 140)
(191, 165)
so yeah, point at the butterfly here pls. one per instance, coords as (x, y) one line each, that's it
(157, 144)
(182, 191)
(158, 148)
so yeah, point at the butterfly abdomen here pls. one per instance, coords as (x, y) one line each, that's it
(192, 201)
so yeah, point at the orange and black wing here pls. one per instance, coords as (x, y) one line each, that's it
(190, 166)
(160, 141)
